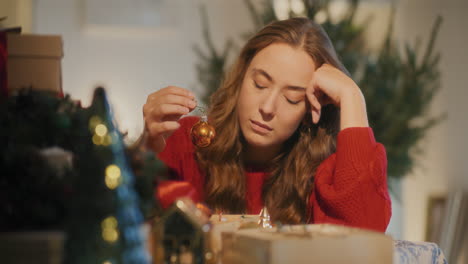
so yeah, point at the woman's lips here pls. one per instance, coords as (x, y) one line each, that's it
(260, 127)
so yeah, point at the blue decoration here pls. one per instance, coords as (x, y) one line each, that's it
(105, 222)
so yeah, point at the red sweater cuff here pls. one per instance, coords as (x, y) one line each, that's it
(168, 192)
(354, 145)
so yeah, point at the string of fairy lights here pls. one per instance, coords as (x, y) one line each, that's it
(123, 225)
(112, 178)
(101, 135)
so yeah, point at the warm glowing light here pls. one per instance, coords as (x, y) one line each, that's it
(110, 235)
(94, 121)
(109, 229)
(109, 222)
(281, 9)
(284, 8)
(180, 203)
(107, 140)
(97, 140)
(113, 176)
(297, 6)
(101, 130)
(321, 17)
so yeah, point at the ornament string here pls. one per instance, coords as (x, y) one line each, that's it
(201, 110)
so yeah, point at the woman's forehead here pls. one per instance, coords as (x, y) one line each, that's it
(283, 64)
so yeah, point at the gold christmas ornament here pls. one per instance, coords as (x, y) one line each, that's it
(202, 133)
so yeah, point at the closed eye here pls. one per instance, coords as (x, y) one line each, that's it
(292, 102)
(258, 86)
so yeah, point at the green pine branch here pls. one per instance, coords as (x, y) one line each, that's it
(210, 69)
(399, 88)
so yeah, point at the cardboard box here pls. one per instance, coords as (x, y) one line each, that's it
(229, 223)
(34, 61)
(303, 244)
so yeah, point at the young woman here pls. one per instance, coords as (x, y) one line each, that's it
(292, 135)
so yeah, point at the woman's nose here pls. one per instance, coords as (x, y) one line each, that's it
(268, 106)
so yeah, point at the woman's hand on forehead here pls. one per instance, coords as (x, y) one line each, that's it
(328, 86)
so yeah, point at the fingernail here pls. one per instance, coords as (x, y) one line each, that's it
(190, 94)
(192, 104)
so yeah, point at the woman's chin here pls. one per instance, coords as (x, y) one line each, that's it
(259, 141)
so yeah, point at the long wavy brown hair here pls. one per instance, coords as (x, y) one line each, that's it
(286, 191)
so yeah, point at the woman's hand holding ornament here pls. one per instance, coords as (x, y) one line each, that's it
(162, 111)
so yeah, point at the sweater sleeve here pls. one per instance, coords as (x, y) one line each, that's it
(185, 179)
(350, 187)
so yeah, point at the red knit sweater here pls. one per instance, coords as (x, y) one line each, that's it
(350, 186)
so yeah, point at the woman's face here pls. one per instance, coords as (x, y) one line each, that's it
(272, 100)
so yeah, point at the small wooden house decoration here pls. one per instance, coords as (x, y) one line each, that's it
(182, 235)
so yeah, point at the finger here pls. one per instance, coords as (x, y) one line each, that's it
(177, 100)
(315, 116)
(177, 90)
(160, 112)
(172, 90)
(169, 109)
(157, 129)
(316, 107)
(181, 100)
(314, 101)
(322, 98)
(316, 113)
(170, 118)
(147, 109)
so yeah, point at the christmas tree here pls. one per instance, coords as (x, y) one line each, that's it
(398, 87)
(105, 220)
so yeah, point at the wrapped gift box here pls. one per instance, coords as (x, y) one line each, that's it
(34, 61)
(299, 244)
(222, 224)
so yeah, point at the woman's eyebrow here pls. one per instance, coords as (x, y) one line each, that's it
(268, 76)
(296, 88)
(262, 72)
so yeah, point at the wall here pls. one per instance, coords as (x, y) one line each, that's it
(132, 62)
(18, 12)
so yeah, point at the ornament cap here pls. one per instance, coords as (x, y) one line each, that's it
(264, 220)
